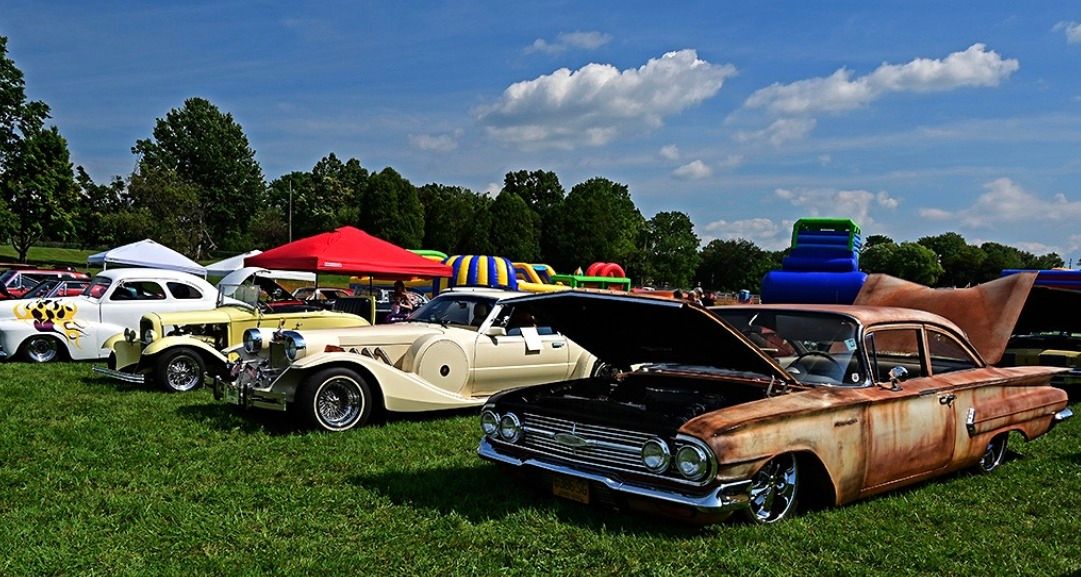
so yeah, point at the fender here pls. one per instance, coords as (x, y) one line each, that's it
(583, 367)
(127, 354)
(210, 355)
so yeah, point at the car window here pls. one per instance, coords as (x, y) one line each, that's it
(468, 310)
(97, 287)
(900, 347)
(184, 291)
(515, 319)
(138, 291)
(303, 294)
(947, 355)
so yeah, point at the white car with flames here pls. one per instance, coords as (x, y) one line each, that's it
(453, 352)
(75, 328)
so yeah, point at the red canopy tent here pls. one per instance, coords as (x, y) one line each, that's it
(349, 250)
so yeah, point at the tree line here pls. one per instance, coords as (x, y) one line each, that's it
(197, 188)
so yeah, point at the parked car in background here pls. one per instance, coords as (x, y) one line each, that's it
(834, 404)
(176, 350)
(453, 352)
(56, 288)
(76, 327)
(323, 297)
(14, 283)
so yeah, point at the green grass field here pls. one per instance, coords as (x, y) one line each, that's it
(102, 478)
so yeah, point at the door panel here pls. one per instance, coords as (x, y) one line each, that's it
(502, 362)
(910, 434)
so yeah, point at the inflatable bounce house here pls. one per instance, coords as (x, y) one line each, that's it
(822, 267)
(1060, 278)
(480, 271)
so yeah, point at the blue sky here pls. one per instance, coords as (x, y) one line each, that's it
(912, 118)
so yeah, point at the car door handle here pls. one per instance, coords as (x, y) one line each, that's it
(947, 399)
(558, 344)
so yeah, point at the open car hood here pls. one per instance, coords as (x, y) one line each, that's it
(989, 313)
(628, 330)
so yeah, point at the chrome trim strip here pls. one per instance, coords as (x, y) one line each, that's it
(120, 375)
(970, 421)
(726, 497)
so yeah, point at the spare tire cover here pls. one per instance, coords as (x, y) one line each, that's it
(444, 364)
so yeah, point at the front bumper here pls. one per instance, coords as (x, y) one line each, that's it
(121, 375)
(716, 505)
(242, 393)
(1061, 416)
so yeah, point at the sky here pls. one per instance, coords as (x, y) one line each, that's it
(912, 118)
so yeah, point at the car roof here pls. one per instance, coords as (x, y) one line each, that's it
(149, 273)
(865, 315)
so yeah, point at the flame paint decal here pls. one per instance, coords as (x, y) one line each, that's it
(52, 316)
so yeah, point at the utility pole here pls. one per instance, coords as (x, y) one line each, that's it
(290, 208)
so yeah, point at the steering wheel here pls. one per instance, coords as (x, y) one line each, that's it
(820, 354)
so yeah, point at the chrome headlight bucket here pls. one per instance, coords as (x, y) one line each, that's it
(510, 428)
(692, 462)
(655, 455)
(253, 341)
(294, 345)
(489, 422)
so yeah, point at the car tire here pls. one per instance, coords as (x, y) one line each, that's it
(335, 400)
(180, 371)
(994, 454)
(774, 490)
(41, 349)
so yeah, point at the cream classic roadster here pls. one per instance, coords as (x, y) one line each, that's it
(453, 352)
(754, 408)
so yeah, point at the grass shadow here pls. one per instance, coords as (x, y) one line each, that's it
(223, 417)
(486, 494)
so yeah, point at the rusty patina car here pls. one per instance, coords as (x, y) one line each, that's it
(772, 405)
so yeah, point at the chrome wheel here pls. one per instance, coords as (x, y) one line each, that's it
(42, 349)
(994, 454)
(183, 374)
(336, 400)
(774, 489)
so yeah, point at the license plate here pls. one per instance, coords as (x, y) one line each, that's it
(571, 488)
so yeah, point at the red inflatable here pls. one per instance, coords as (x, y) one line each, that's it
(606, 269)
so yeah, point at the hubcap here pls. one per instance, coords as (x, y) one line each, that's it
(182, 374)
(773, 489)
(992, 456)
(42, 350)
(339, 402)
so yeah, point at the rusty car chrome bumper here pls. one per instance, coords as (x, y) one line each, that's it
(723, 499)
(1063, 415)
(121, 375)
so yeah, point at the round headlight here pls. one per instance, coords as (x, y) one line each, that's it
(692, 462)
(655, 455)
(510, 428)
(253, 341)
(149, 335)
(489, 422)
(294, 345)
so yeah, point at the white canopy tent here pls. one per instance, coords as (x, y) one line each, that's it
(233, 263)
(149, 254)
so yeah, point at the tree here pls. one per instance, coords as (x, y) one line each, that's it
(515, 228)
(39, 190)
(733, 265)
(1045, 262)
(998, 258)
(597, 222)
(670, 249)
(391, 209)
(96, 202)
(544, 194)
(876, 239)
(456, 219)
(961, 262)
(908, 260)
(208, 150)
(170, 208)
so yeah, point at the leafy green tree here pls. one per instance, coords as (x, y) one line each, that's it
(95, 203)
(207, 149)
(1045, 262)
(876, 239)
(456, 219)
(670, 249)
(391, 209)
(39, 190)
(18, 116)
(597, 222)
(515, 228)
(961, 262)
(908, 260)
(1000, 257)
(170, 208)
(542, 191)
(733, 265)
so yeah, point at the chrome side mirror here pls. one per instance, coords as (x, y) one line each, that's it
(897, 374)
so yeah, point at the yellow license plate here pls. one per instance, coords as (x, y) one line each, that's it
(571, 488)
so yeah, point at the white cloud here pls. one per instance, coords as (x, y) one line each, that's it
(569, 41)
(598, 102)
(796, 104)
(1072, 30)
(762, 231)
(1006, 202)
(695, 170)
(670, 152)
(935, 214)
(731, 161)
(434, 142)
(855, 204)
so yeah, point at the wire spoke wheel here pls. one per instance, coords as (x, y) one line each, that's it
(774, 490)
(336, 399)
(183, 374)
(339, 401)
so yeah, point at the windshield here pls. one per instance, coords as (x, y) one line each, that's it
(41, 289)
(455, 309)
(7, 276)
(97, 287)
(815, 348)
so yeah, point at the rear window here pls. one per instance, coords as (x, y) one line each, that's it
(184, 291)
(138, 291)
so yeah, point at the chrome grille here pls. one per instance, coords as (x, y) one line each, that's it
(599, 445)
